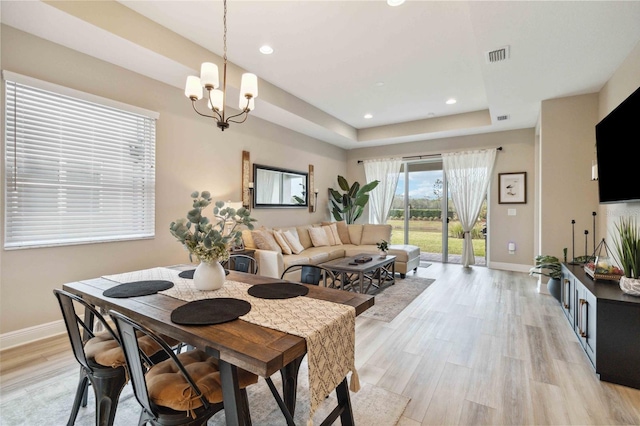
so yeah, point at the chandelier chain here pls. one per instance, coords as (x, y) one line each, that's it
(224, 38)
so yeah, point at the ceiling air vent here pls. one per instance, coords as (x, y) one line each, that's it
(502, 117)
(498, 55)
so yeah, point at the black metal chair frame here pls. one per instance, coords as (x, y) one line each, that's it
(136, 360)
(242, 263)
(313, 274)
(107, 382)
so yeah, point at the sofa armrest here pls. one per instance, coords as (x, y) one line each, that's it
(270, 263)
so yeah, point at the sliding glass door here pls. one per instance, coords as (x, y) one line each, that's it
(422, 214)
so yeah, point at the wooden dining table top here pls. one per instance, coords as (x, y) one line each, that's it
(260, 350)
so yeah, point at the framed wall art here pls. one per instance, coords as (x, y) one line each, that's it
(512, 188)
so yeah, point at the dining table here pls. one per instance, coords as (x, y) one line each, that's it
(236, 344)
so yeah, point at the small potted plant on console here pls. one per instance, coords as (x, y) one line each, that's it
(627, 250)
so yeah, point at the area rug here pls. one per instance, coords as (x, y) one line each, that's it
(49, 403)
(424, 264)
(390, 300)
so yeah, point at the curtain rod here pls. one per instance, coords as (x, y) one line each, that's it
(420, 157)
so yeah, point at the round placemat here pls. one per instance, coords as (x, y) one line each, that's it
(189, 273)
(278, 290)
(137, 288)
(210, 311)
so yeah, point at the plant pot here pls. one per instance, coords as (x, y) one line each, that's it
(554, 287)
(382, 253)
(208, 276)
(630, 285)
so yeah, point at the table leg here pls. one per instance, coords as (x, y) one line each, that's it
(361, 279)
(344, 401)
(289, 375)
(233, 405)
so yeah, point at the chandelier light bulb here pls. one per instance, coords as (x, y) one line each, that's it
(193, 88)
(216, 101)
(249, 85)
(209, 75)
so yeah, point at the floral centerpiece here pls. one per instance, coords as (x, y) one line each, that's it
(210, 240)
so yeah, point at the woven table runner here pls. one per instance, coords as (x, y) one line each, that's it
(327, 327)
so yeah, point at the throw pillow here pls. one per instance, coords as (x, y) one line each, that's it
(293, 242)
(282, 242)
(343, 230)
(264, 240)
(318, 237)
(332, 234)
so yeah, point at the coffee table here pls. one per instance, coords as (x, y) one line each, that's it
(380, 269)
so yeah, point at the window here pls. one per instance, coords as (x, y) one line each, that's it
(78, 168)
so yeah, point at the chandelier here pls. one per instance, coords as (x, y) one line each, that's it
(216, 97)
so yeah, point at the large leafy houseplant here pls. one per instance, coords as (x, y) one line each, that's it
(349, 205)
(546, 265)
(210, 240)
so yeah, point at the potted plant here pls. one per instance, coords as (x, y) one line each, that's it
(383, 247)
(626, 244)
(549, 266)
(210, 241)
(350, 205)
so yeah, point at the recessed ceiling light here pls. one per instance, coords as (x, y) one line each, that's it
(379, 84)
(395, 2)
(451, 101)
(267, 50)
(368, 116)
(431, 115)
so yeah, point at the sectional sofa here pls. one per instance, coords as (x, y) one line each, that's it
(278, 248)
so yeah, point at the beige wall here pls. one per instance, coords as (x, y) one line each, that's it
(567, 147)
(517, 156)
(191, 154)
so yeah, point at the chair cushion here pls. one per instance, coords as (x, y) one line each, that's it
(372, 234)
(106, 351)
(303, 236)
(167, 387)
(355, 233)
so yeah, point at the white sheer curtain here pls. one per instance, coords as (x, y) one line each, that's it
(468, 176)
(386, 171)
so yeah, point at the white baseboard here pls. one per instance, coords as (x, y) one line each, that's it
(509, 267)
(31, 334)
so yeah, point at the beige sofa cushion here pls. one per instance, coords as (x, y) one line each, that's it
(355, 233)
(264, 240)
(372, 234)
(247, 239)
(332, 234)
(282, 242)
(343, 231)
(292, 240)
(318, 237)
(303, 236)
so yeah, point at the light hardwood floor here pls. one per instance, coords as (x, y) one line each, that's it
(479, 346)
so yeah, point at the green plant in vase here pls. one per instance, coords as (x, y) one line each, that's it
(549, 266)
(626, 245)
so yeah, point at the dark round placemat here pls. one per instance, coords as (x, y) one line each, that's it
(137, 288)
(210, 311)
(189, 274)
(278, 290)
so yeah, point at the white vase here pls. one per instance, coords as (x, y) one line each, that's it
(209, 276)
(630, 285)
(382, 253)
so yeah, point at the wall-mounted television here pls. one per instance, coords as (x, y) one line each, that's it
(617, 137)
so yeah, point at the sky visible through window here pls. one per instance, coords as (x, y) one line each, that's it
(421, 184)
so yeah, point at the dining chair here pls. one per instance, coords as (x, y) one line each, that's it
(184, 389)
(93, 351)
(242, 263)
(100, 357)
(312, 274)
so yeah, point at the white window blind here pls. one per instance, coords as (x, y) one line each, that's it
(77, 171)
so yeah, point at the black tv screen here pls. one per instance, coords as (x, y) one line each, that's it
(617, 138)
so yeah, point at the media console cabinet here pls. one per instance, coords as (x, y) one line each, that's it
(606, 322)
